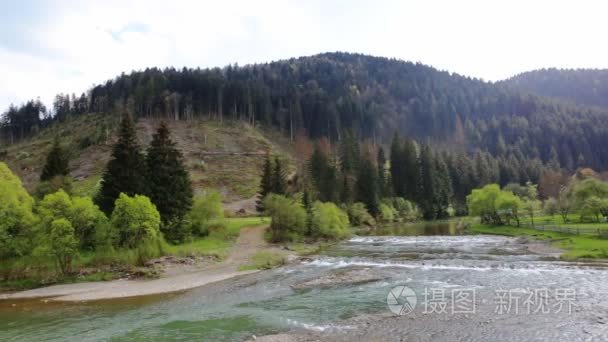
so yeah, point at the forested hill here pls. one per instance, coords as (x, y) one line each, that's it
(582, 86)
(327, 94)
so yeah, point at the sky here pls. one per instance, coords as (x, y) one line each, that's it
(67, 46)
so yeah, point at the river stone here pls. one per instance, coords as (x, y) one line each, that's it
(340, 278)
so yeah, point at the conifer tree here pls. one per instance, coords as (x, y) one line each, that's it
(346, 195)
(168, 183)
(125, 172)
(411, 171)
(324, 175)
(367, 186)
(56, 162)
(444, 190)
(383, 190)
(396, 168)
(265, 183)
(279, 179)
(428, 200)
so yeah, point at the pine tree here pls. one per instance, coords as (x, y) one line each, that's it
(383, 190)
(168, 183)
(265, 183)
(367, 186)
(125, 172)
(411, 171)
(396, 167)
(428, 199)
(346, 195)
(56, 163)
(279, 179)
(324, 175)
(443, 190)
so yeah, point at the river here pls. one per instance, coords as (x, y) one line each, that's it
(442, 269)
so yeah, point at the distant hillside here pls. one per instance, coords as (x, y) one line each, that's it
(326, 94)
(226, 157)
(581, 86)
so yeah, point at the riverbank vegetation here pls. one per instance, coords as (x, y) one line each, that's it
(574, 218)
(142, 202)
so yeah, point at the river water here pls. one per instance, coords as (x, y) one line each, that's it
(461, 283)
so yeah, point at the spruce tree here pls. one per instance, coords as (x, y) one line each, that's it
(279, 179)
(168, 183)
(411, 171)
(428, 197)
(383, 190)
(56, 163)
(367, 186)
(265, 183)
(125, 172)
(397, 168)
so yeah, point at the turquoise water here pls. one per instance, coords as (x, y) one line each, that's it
(265, 303)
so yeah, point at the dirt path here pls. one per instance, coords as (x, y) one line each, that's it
(249, 242)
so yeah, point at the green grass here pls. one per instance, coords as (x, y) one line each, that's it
(573, 222)
(219, 241)
(575, 246)
(264, 260)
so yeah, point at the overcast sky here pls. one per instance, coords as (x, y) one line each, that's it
(48, 47)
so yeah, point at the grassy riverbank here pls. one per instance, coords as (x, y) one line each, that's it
(17, 274)
(575, 246)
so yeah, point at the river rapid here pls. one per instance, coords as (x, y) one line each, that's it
(466, 288)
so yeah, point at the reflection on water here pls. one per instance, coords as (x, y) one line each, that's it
(265, 303)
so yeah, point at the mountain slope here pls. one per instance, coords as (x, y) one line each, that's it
(581, 86)
(226, 157)
(326, 94)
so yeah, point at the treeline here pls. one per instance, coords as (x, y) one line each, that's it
(414, 181)
(328, 94)
(582, 86)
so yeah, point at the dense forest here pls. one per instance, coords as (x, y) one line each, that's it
(581, 86)
(325, 95)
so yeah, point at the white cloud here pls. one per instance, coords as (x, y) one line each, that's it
(76, 43)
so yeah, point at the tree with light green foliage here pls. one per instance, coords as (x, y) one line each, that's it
(359, 216)
(387, 213)
(508, 206)
(135, 220)
(207, 209)
(63, 245)
(588, 197)
(89, 223)
(328, 221)
(482, 203)
(16, 215)
(594, 207)
(288, 218)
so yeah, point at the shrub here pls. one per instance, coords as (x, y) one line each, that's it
(206, 211)
(406, 210)
(84, 216)
(16, 215)
(288, 218)
(359, 216)
(387, 213)
(63, 246)
(328, 221)
(135, 220)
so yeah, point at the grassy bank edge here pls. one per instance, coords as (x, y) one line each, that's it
(575, 247)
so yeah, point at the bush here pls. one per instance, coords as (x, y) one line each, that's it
(16, 215)
(206, 212)
(84, 216)
(328, 221)
(387, 213)
(406, 210)
(359, 216)
(288, 218)
(63, 245)
(135, 221)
